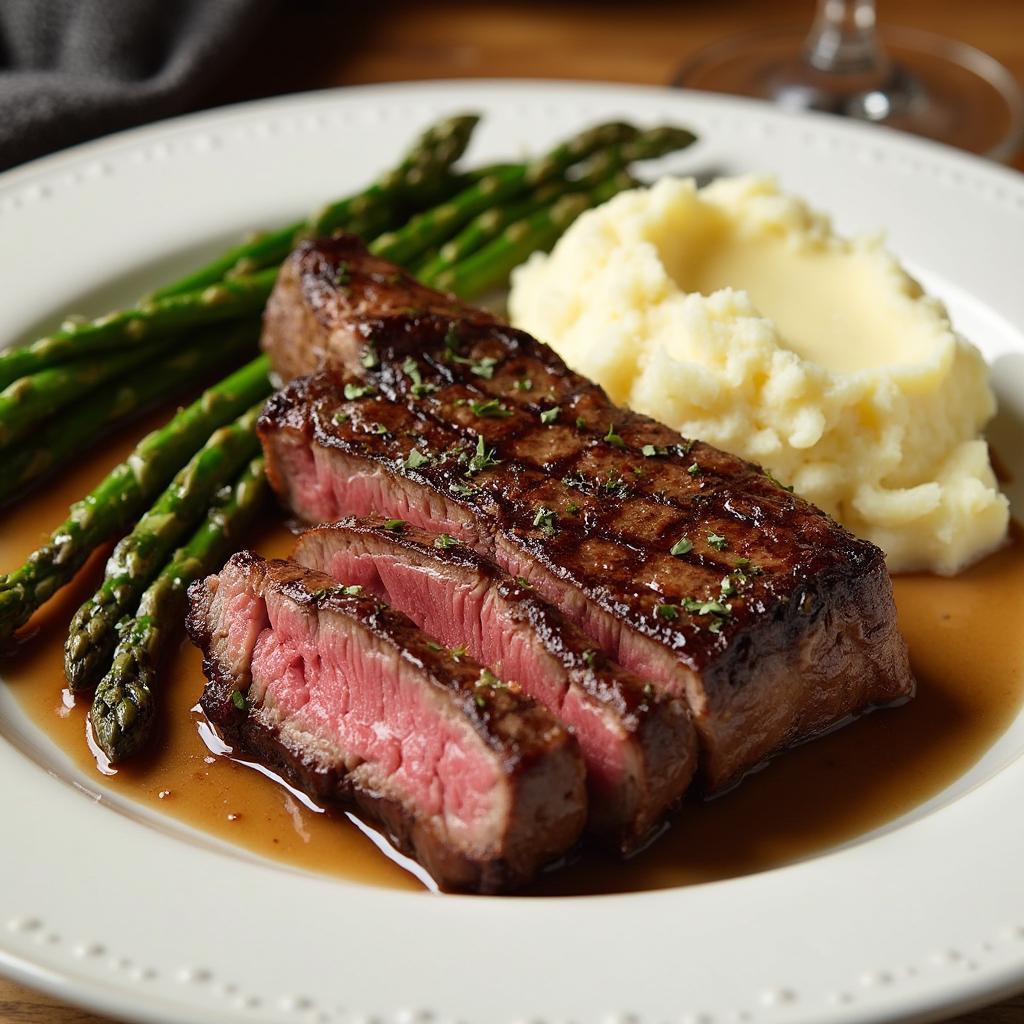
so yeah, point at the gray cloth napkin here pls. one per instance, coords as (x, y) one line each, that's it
(74, 69)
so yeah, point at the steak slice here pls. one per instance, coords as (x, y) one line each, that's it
(351, 702)
(687, 565)
(639, 748)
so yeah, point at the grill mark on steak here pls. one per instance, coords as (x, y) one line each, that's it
(757, 679)
(639, 748)
(353, 703)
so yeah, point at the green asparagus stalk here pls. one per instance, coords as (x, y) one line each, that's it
(649, 144)
(129, 328)
(124, 494)
(422, 170)
(489, 267)
(123, 708)
(30, 400)
(77, 428)
(485, 227)
(428, 229)
(137, 558)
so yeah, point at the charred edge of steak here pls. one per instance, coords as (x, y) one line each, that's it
(654, 730)
(371, 285)
(536, 756)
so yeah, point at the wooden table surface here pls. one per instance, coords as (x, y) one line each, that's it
(313, 45)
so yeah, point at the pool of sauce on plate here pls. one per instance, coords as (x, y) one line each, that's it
(820, 795)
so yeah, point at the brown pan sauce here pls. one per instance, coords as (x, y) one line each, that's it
(964, 642)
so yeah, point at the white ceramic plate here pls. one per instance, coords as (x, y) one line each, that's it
(923, 918)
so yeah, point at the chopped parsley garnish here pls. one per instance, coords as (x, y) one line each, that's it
(745, 569)
(706, 607)
(369, 357)
(614, 439)
(339, 417)
(461, 490)
(355, 391)
(719, 610)
(524, 384)
(341, 589)
(667, 611)
(693, 470)
(378, 428)
(572, 507)
(481, 367)
(342, 276)
(614, 484)
(238, 699)
(728, 586)
(412, 371)
(444, 541)
(588, 658)
(717, 541)
(545, 520)
(416, 459)
(484, 367)
(394, 525)
(483, 458)
(581, 423)
(490, 408)
(458, 653)
(653, 451)
(488, 678)
(434, 647)
(549, 416)
(683, 546)
(523, 582)
(575, 480)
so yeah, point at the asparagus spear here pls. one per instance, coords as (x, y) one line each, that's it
(428, 229)
(486, 226)
(649, 144)
(124, 493)
(79, 427)
(423, 168)
(130, 327)
(123, 706)
(29, 400)
(138, 556)
(489, 267)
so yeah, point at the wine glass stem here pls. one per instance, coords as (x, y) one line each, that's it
(843, 39)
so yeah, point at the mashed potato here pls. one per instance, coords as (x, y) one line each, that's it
(734, 314)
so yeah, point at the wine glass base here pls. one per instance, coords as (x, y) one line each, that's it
(932, 86)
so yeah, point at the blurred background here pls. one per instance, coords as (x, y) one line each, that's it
(74, 69)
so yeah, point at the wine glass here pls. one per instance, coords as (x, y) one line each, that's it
(904, 78)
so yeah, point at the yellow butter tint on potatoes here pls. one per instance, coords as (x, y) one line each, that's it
(734, 314)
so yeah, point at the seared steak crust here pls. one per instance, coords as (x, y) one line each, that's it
(639, 746)
(775, 622)
(535, 761)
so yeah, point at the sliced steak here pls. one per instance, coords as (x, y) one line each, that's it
(687, 565)
(639, 747)
(351, 702)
